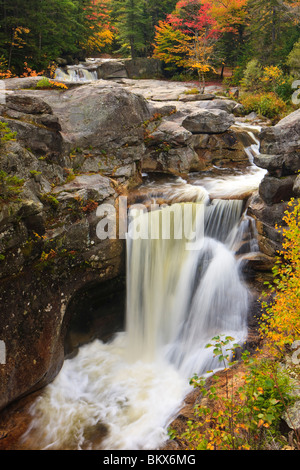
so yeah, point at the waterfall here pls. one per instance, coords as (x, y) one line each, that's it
(76, 73)
(183, 288)
(181, 294)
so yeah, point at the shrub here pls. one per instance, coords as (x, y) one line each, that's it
(10, 187)
(239, 416)
(272, 77)
(293, 60)
(5, 133)
(252, 76)
(285, 90)
(46, 83)
(281, 322)
(265, 104)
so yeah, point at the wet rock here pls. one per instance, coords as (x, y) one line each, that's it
(279, 165)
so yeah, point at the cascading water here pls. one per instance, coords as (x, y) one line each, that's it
(76, 73)
(183, 287)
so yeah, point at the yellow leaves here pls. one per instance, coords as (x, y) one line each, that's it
(281, 323)
(17, 40)
(99, 40)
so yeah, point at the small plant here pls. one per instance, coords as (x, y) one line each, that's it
(10, 187)
(5, 73)
(192, 91)
(272, 77)
(235, 415)
(46, 83)
(6, 134)
(252, 76)
(51, 200)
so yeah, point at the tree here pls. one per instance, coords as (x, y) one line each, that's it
(293, 60)
(131, 23)
(38, 31)
(272, 24)
(102, 30)
(195, 35)
(231, 17)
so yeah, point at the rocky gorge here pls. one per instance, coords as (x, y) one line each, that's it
(78, 149)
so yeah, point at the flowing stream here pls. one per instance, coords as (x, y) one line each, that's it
(184, 286)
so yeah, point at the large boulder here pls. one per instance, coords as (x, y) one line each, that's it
(275, 190)
(212, 121)
(94, 127)
(283, 138)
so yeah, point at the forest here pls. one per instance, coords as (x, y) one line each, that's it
(190, 36)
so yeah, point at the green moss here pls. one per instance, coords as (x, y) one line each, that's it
(50, 200)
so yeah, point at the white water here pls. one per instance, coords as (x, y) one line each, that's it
(76, 73)
(178, 299)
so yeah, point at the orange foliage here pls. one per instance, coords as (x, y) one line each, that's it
(229, 14)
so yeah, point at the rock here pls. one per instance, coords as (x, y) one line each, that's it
(86, 186)
(283, 138)
(170, 132)
(275, 190)
(175, 161)
(39, 139)
(212, 121)
(229, 106)
(96, 127)
(112, 69)
(48, 247)
(143, 68)
(28, 104)
(296, 187)
(279, 165)
(292, 416)
(261, 211)
(269, 238)
(257, 262)
(196, 97)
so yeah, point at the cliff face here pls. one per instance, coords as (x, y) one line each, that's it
(74, 151)
(280, 155)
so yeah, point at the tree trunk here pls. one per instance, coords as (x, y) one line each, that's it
(132, 49)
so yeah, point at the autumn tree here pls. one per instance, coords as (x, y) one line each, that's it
(194, 32)
(232, 19)
(102, 29)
